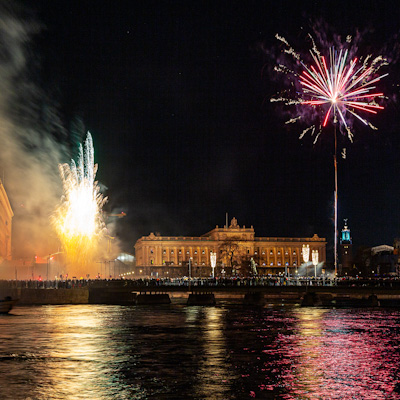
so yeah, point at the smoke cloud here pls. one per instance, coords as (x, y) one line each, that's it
(31, 137)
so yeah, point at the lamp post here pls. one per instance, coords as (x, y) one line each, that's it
(190, 267)
(213, 261)
(315, 261)
(306, 255)
(49, 259)
(335, 202)
(48, 262)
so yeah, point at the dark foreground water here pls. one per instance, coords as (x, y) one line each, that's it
(178, 352)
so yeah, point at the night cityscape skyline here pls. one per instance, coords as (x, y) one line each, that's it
(176, 97)
(167, 217)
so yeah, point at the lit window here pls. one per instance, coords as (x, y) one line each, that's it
(187, 252)
(263, 253)
(279, 252)
(255, 252)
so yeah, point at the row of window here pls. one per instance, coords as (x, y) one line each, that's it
(180, 252)
(248, 251)
(279, 264)
(279, 252)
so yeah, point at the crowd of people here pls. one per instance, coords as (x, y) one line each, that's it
(269, 280)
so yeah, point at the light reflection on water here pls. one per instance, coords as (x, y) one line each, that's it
(177, 352)
(345, 354)
(213, 376)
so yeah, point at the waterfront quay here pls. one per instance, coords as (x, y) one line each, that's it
(271, 290)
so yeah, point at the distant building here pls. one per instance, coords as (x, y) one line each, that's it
(379, 261)
(346, 249)
(6, 215)
(383, 261)
(124, 265)
(396, 252)
(234, 245)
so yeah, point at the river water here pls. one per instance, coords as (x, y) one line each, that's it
(179, 352)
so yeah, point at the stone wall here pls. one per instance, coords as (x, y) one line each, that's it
(48, 296)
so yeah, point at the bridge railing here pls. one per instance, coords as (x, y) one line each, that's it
(392, 282)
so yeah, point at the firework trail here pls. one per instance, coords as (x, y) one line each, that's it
(78, 220)
(336, 87)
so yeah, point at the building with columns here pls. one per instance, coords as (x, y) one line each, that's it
(6, 215)
(235, 247)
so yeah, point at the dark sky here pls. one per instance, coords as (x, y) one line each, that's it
(176, 96)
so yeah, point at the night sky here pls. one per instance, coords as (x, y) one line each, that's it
(176, 96)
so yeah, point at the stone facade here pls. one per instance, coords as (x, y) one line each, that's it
(234, 245)
(6, 215)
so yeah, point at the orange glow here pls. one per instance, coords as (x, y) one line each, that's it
(78, 220)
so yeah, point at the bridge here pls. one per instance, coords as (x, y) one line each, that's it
(244, 291)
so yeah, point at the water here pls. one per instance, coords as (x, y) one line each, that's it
(179, 352)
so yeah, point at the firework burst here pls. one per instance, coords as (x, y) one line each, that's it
(336, 87)
(78, 220)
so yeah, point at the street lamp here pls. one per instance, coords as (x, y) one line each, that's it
(190, 271)
(190, 267)
(306, 255)
(49, 259)
(315, 261)
(213, 260)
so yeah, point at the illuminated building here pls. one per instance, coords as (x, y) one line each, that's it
(383, 261)
(6, 215)
(346, 247)
(235, 246)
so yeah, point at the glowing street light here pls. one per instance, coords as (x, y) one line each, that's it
(306, 255)
(49, 259)
(213, 260)
(315, 260)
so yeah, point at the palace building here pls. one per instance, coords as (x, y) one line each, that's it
(236, 248)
